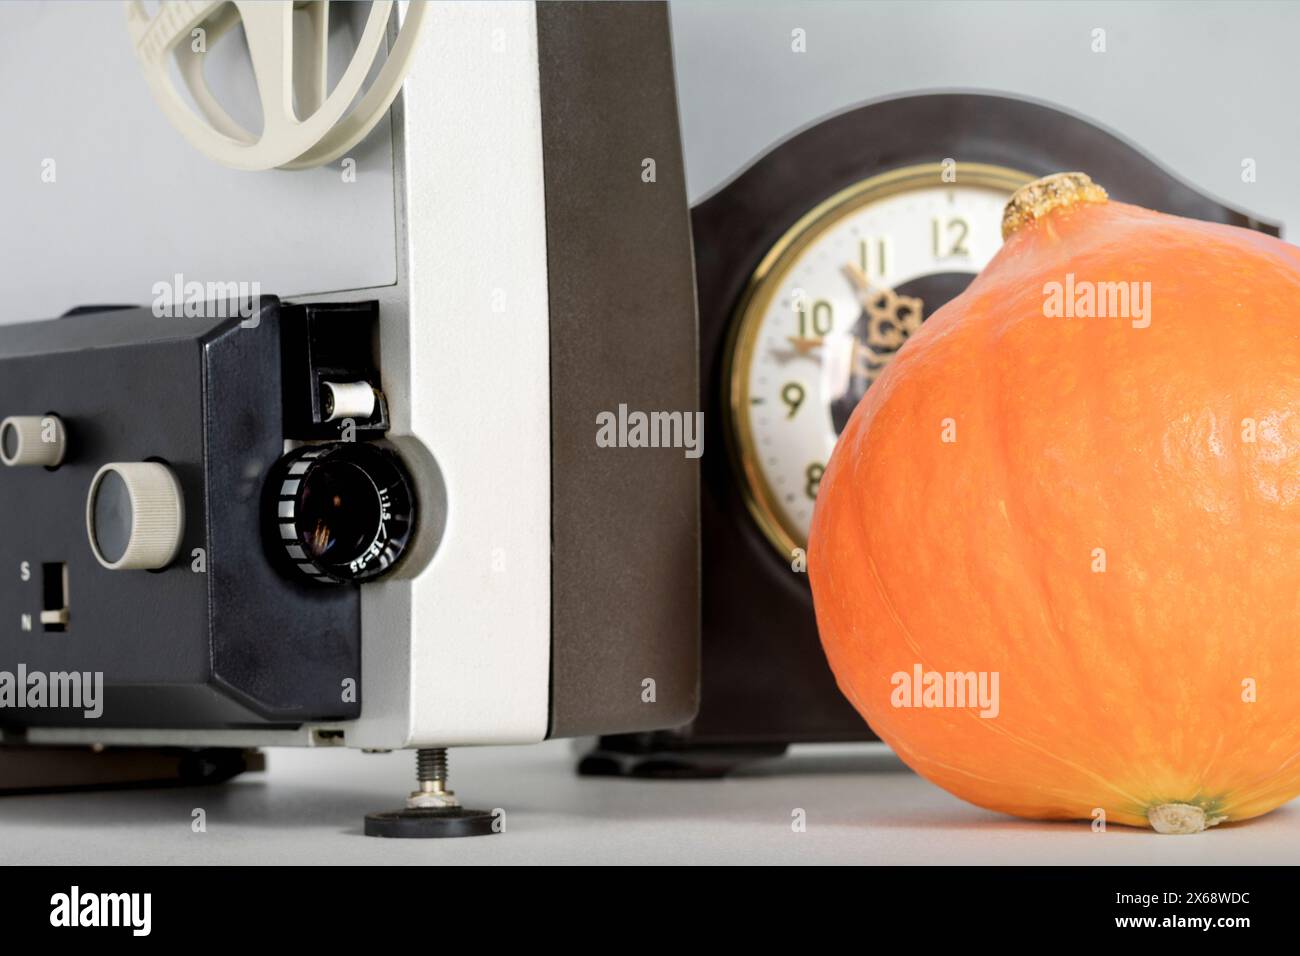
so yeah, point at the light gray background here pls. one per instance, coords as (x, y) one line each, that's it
(1200, 86)
(133, 203)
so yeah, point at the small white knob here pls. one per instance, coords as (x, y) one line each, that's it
(355, 400)
(135, 516)
(32, 440)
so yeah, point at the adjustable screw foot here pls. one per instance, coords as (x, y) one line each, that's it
(432, 810)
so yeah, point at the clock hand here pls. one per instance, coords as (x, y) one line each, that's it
(861, 284)
(804, 346)
(800, 348)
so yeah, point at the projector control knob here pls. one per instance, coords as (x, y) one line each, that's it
(339, 513)
(135, 516)
(32, 440)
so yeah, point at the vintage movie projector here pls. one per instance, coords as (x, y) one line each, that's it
(331, 476)
(814, 265)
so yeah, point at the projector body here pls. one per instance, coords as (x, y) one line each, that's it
(548, 587)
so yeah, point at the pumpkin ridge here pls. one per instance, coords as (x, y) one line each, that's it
(1066, 795)
(1029, 546)
(1080, 768)
(1021, 532)
(1259, 786)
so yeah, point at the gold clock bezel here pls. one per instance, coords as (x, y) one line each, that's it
(742, 338)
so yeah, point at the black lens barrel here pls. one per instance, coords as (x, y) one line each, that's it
(339, 513)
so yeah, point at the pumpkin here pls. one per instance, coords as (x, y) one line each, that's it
(1055, 557)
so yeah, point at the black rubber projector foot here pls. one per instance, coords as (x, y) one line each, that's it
(430, 823)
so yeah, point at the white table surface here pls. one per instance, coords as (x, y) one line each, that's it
(862, 806)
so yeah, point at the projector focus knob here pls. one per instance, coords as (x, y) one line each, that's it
(135, 516)
(32, 440)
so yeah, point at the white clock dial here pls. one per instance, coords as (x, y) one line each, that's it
(831, 304)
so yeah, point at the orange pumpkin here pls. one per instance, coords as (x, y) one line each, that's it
(1092, 518)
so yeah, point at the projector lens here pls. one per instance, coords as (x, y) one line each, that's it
(340, 513)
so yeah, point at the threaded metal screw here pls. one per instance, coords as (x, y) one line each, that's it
(431, 772)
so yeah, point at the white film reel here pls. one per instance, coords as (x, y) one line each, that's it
(326, 128)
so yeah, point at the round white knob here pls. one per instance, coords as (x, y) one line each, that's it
(32, 440)
(135, 516)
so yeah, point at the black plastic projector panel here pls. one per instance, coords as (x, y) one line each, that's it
(218, 638)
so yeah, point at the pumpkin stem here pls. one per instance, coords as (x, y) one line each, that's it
(1180, 818)
(1034, 200)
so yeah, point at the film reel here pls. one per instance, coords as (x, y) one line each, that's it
(304, 122)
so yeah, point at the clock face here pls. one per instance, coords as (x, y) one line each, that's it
(830, 305)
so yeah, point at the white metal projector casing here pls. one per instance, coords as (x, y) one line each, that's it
(455, 652)
(461, 654)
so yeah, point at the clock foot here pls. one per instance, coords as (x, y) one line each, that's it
(653, 757)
